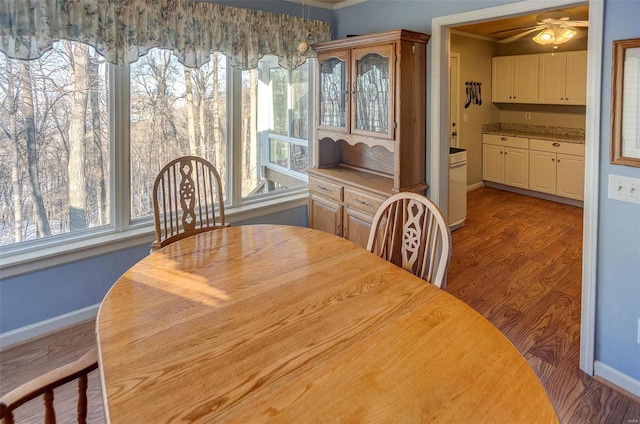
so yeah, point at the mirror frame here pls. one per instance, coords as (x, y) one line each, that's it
(617, 93)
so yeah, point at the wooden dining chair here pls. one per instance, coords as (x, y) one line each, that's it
(45, 385)
(410, 231)
(186, 193)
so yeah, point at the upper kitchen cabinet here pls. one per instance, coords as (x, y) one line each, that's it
(563, 78)
(515, 79)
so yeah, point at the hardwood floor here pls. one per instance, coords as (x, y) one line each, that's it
(517, 261)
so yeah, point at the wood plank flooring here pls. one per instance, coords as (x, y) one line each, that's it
(517, 261)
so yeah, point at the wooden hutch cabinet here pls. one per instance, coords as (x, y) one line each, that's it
(371, 128)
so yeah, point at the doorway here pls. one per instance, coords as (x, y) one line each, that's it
(440, 139)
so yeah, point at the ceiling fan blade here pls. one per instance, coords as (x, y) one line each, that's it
(566, 22)
(506, 31)
(521, 35)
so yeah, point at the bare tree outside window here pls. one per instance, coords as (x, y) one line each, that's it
(175, 111)
(53, 143)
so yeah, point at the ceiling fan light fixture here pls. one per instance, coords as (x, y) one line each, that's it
(566, 33)
(555, 35)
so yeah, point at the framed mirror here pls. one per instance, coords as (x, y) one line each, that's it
(625, 99)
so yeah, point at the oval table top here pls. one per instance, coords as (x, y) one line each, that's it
(289, 324)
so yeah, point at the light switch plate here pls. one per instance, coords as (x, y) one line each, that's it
(625, 189)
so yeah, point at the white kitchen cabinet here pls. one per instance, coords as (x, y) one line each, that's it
(563, 78)
(505, 160)
(543, 171)
(557, 168)
(515, 79)
(570, 172)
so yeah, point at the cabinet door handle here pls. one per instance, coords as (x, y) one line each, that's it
(553, 160)
(362, 202)
(556, 144)
(503, 138)
(323, 188)
(338, 230)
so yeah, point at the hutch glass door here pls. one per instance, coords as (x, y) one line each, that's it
(373, 87)
(334, 95)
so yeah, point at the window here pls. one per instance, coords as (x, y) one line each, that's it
(275, 118)
(54, 144)
(160, 110)
(175, 111)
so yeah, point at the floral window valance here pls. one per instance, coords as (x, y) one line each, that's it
(124, 30)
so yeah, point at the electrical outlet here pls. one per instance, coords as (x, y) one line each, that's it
(527, 115)
(625, 189)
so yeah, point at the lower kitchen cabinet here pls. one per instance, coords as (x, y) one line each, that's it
(505, 160)
(557, 168)
(570, 172)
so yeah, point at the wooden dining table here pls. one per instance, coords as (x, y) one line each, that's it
(270, 323)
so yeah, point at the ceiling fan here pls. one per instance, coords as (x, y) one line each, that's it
(554, 28)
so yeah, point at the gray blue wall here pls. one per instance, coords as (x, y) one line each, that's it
(618, 282)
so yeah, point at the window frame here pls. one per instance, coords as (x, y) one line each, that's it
(123, 232)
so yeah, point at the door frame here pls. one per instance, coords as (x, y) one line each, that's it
(439, 136)
(454, 92)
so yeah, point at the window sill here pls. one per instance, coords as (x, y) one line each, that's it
(57, 253)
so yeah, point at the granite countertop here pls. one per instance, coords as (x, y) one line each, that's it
(542, 132)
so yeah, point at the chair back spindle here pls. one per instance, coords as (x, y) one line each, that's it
(410, 231)
(186, 193)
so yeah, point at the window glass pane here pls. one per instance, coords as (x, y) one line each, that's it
(279, 153)
(279, 100)
(275, 108)
(300, 102)
(175, 111)
(54, 143)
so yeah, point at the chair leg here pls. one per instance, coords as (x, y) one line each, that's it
(82, 399)
(49, 412)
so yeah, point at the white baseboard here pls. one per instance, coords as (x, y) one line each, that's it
(41, 328)
(617, 378)
(475, 186)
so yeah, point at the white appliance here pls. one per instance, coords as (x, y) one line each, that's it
(457, 187)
